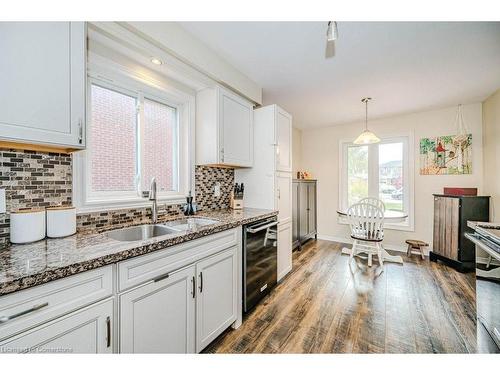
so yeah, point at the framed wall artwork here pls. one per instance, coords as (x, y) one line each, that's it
(450, 154)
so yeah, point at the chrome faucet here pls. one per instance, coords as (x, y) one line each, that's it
(152, 197)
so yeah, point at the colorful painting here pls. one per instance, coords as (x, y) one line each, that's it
(451, 154)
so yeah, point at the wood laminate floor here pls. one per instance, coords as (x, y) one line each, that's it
(330, 305)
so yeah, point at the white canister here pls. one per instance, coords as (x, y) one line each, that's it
(61, 221)
(27, 225)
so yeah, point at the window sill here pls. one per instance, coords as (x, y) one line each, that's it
(100, 206)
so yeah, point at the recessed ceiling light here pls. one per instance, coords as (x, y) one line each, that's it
(156, 61)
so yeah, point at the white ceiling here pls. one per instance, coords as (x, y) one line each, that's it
(404, 66)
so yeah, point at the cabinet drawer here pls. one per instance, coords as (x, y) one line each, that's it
(84, 331)
(22, 310)
(147, 267)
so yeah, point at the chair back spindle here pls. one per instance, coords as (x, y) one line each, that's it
(366, 221)
(374, 202)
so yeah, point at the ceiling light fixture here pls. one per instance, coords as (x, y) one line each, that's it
(367, 137)
(332, 32)
(156, 61)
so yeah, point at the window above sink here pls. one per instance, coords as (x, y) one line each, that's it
(138, 128)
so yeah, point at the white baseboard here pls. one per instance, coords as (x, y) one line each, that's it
(283, 273)
(400, 248)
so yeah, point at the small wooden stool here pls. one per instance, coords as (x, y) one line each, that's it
(416, 244)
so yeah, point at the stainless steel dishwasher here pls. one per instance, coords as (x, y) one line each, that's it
(260, 257)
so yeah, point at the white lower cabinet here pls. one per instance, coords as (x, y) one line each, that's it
(159, 317)
(175, 300)
(88, 330)
(182, 311)
(216, 296)
(284, 196)
(284, 249)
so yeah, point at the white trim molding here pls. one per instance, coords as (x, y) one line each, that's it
(408, 175)
(119, 75)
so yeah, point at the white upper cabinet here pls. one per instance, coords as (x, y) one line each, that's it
(283, 140)
(42, 83)
(224, 128)
(268, 182)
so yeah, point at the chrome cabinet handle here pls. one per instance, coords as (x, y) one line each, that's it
(108, 332)
(255, 230)
(5, 319)
(162, 277)
(193, 289)
(222, 154)
(201, 282)
(80, 131)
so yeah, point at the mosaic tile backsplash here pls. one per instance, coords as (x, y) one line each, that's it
(205, 180)
(35, 179)
(32, 179)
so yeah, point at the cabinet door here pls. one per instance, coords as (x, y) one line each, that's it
(42, 85)
(295, 213)
(311, 208)
(87, 330)
(284, 140)
(303, 213)
(217, 296)
(236, 129)
(284, 196)
(446, 227)
(159, 317)
(284, 249)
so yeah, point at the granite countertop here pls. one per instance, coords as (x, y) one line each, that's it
(28, 265)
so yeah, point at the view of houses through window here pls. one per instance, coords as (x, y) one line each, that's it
(388, 184)
(390, 177)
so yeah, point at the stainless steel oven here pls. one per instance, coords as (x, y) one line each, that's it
(487, 240)
(260, 257)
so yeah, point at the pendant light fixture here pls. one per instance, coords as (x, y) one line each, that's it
(332, 32)
(367, 137)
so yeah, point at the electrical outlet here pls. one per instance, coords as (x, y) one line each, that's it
(217, 189)
(3, 208)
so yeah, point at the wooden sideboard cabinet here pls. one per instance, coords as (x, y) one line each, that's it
(451, 214)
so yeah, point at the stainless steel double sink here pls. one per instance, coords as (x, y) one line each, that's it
(147, 231)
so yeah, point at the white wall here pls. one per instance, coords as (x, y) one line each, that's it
(320, 155)
(491, 144)
(296, 151)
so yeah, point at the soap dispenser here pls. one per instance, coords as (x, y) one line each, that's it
(189, 208)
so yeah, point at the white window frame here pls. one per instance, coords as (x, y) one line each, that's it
(373, 177)
(118, 78)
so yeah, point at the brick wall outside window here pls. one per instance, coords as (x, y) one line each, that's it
(157, 151)
(113, 142)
